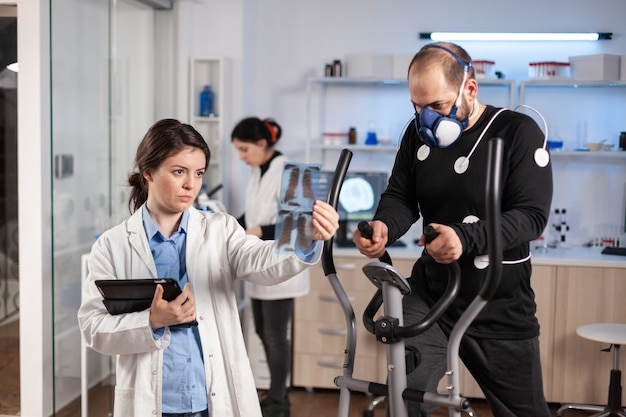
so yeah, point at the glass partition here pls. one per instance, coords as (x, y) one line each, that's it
(9, 254)
(102, 60)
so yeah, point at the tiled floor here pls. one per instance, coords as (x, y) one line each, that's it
(305, 403)
(9, 369)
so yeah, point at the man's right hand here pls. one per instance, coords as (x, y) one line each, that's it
(374, 248)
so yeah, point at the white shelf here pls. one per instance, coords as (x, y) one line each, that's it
(204, 119)
(589, 154)
(356, 81)
(566, 83)
(365, 148)
(391, 81)
(212, 71)
(319, 85)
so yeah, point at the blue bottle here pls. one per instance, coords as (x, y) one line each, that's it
(207, 97)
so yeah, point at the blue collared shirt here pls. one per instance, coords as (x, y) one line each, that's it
(184, 384)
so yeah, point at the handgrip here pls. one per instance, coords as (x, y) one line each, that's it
(341, 169)
(366, 230)
(430, 233)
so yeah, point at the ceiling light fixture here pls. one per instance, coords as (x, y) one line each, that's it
(502, 36)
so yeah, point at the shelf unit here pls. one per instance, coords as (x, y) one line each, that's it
(563, 85)
(567, 83)
(319, 87)
(212, 71)
(585, 182)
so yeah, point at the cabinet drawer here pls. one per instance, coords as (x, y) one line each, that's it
(349, 272)
(319, 371)
(324, 306)
(330, 338)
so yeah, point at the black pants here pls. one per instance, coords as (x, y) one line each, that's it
(508, 371)
(271, 322)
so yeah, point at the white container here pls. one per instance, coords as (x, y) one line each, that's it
(484, 68)
(622, 71)
(368, 66)
(548, 70)
(401, 64)
(599, 67)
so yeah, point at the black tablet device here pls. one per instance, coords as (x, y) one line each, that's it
(137, 289)
(130, 295)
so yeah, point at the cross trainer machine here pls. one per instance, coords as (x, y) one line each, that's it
(390, 329)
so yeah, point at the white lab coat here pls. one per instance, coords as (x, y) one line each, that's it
(261, 208)
(218, 251)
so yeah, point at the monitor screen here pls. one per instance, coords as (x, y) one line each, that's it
(359, 194)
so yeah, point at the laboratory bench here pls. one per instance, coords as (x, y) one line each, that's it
(573, 286)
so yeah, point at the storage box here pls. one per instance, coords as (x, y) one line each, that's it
(368, 66)
(600, 67)
(400, 63)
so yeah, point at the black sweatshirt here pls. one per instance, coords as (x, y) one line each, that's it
(429, 187)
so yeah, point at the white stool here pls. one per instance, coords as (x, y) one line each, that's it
(614, 334)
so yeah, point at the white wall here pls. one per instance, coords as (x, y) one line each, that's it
(280, 43)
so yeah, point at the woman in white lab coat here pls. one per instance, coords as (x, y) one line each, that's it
(272, 307)
(163, 369)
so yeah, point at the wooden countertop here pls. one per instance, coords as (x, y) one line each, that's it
(571, 256)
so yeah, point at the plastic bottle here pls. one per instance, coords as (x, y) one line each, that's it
(328, 70)
(337, 72)
(207, 97)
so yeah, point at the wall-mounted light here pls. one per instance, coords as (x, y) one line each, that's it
(493, 36)
(13, 67)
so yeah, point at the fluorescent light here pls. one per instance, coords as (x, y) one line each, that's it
(13, 67)
(495, 36)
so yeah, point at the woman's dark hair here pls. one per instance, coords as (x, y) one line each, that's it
(162, 140)
(253, 129)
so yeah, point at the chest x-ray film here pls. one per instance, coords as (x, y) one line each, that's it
(298, 191)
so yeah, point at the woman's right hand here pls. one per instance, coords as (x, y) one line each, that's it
(181, 309)
(374, 248)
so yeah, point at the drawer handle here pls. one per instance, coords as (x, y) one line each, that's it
(332, 298)
(325, 364)
(334, 332)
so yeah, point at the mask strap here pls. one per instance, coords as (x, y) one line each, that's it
(460, 95)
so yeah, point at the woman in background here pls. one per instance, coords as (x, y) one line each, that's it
(164, 369)
(272, 307)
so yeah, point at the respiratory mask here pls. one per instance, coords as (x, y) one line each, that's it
(435, 129)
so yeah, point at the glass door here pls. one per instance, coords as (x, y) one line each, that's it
(102, 65)
(9, 256)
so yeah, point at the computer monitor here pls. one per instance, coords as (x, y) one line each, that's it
(358, 199)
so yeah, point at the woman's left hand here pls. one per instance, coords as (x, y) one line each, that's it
(325, 220)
